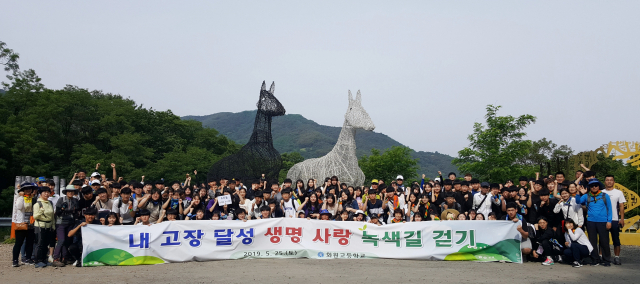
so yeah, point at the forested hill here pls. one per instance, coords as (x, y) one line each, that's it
(294, 133)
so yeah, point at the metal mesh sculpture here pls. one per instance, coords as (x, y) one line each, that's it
(258, 156)
(341, 161)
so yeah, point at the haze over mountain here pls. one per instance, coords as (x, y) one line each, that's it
(294, 133)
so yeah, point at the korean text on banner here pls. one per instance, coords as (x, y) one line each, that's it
(182, 241)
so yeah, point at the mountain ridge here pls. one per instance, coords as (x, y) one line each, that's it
(295, 133)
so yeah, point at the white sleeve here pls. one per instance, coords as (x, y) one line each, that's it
(622, 200)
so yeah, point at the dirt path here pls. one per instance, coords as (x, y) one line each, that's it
(326, 271)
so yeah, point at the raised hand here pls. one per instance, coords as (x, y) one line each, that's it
(113, 165)
(582, 189)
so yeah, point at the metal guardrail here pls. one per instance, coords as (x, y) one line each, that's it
(5, 221)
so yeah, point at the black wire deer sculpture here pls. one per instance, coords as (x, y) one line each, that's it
(258, 156)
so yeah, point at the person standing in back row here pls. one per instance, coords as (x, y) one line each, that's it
(617, 214)
(598, 221)
(44, 226)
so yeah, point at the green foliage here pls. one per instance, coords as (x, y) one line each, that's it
(46, 132)
(497, 149)
(394, 161)
(547, 157)
(5, 236)
(8, 58)
(288, 160)
(6, 201)
(294, 133)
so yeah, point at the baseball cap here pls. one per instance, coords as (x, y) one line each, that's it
(375, 181)
(95, 174)
(485, 184)
(95, 182)
(399, 177)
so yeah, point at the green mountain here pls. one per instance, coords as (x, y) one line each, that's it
(294, 133)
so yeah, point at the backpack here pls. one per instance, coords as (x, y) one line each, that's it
(595, 200)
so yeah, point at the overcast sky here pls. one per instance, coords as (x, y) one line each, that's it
(426, 70)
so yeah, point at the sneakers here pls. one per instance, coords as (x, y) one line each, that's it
(594, 263)
(41, 265)
(50, 259)
(78, 263)
(30, 262)
(549, 261)
(606, 264)
(576, 264)
(616, 261)
(57, 263)
(15, 263)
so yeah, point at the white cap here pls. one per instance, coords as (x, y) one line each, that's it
(359, 212)
(399, 177)
(437, 179)
(95, 174)
(95, 181)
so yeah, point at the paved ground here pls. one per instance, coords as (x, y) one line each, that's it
(327, 271)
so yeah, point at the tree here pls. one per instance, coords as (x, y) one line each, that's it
(288, 160)
(46, 132)
(386, 166)
(8, 58)
(496, 150)
(544, 154)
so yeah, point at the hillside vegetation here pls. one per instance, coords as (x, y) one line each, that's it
(294, 133)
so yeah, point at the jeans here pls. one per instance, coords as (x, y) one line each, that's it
(599, 238)
(60, 251)
(26, 238)
(45, 238)
(576, 252)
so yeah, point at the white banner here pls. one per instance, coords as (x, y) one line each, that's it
(181, 241)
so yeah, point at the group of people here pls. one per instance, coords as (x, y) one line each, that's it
(552, 213)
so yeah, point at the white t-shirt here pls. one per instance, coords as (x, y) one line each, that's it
(617, 197)
(290, 208)
(123, 210)
(54, 200)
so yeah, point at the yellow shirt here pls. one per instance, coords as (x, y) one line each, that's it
(44, 215)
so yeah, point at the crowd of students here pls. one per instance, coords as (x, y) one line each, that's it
(552, 213)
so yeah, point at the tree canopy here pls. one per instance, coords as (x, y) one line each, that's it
(496, 150)
(386, 166)
(45, 132)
